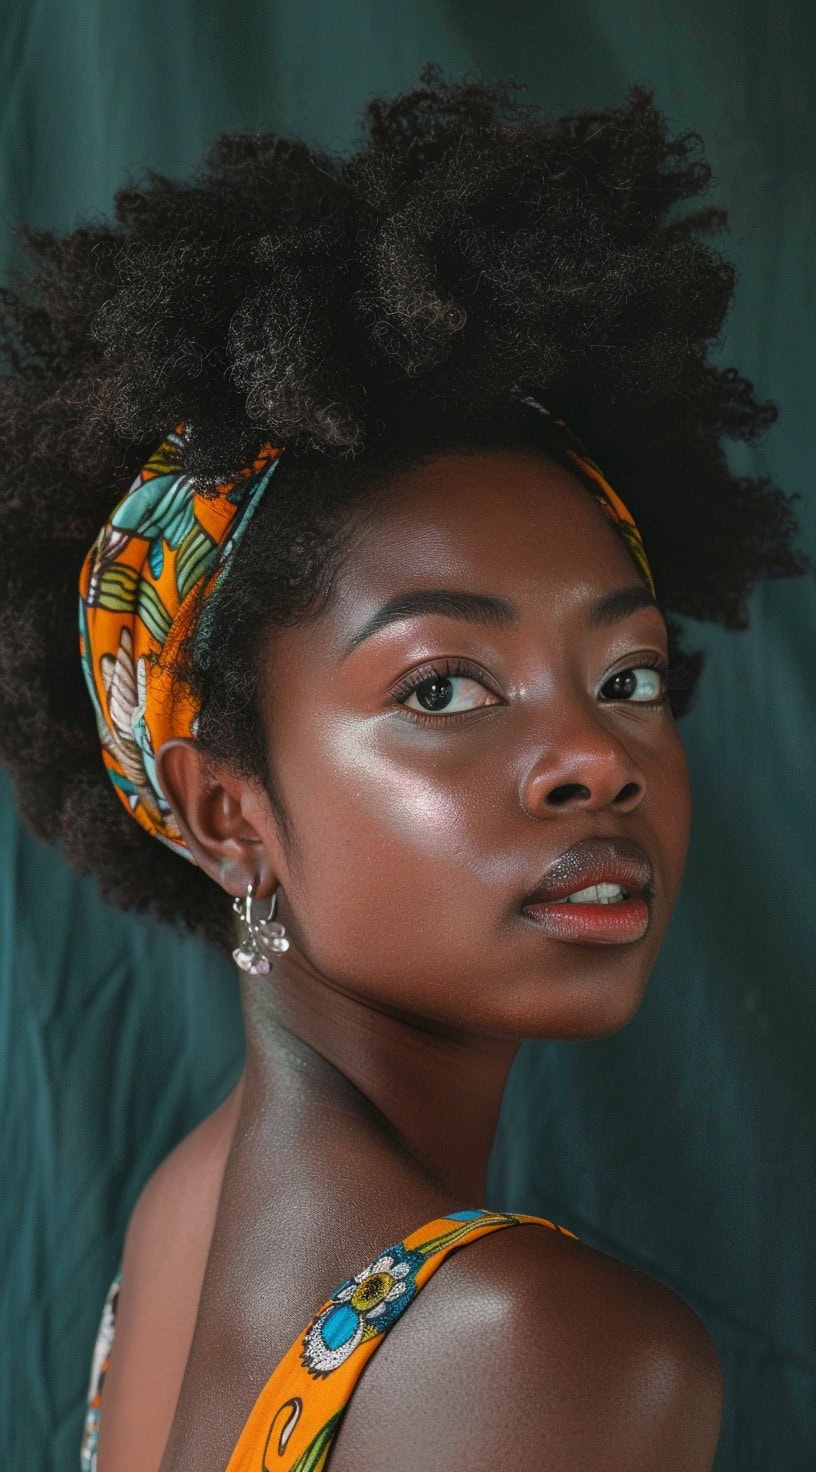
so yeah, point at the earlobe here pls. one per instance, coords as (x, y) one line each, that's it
(209, 805)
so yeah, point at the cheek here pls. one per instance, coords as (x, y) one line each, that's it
(412, 854)
(395, 842)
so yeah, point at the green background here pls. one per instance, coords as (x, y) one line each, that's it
(685, 1143)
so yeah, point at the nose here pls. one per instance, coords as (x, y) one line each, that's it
(586, 766)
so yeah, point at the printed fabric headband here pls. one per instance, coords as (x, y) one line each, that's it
(144, 584)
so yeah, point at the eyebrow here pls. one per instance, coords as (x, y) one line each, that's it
(490, 609)
(614, 607)
(472, 608)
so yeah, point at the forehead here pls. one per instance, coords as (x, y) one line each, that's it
(495, 520)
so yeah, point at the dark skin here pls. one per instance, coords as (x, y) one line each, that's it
(379, 1048)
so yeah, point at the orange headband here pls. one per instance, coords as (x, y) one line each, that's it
(142, 586)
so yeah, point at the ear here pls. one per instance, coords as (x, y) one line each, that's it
(226, 821)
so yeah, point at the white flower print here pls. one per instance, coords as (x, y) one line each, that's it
(362, 1307)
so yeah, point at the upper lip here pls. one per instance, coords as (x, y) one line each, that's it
(593, 861)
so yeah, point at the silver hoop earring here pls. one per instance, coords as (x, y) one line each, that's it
(258, 937)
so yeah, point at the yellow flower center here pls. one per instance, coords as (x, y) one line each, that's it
(371, 1291)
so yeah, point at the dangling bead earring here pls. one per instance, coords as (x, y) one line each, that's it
(258, 937)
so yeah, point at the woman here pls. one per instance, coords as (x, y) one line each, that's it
(386, 664)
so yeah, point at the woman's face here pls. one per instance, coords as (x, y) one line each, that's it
(436, 754)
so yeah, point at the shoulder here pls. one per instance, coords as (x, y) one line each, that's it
(529, 1349)
(165, 1254)
(190, 1175)
(170, 1228)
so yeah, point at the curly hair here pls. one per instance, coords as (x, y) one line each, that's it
(364, 311)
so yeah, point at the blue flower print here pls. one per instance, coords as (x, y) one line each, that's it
(362, 1307)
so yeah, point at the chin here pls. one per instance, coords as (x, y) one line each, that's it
(592, 1008)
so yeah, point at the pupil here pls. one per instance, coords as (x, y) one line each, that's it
(625, 682)
(435, 693)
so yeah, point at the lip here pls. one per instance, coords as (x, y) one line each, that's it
(593, 861)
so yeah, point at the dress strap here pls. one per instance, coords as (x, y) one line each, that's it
(99, 1369)
(296, 1416)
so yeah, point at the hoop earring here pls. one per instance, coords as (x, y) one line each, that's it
(258, 937)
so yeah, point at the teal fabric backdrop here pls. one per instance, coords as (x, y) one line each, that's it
(684, 1144)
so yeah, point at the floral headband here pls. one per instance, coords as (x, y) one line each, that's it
(144, 584)
(142, 587)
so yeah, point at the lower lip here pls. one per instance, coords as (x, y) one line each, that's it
(626, 920)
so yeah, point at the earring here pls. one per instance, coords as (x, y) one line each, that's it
(258, 937)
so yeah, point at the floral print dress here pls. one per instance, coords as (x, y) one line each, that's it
(295, 1418)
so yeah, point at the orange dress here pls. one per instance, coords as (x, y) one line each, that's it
(295, 1418)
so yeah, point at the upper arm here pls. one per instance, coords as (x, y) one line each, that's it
(538, 1354)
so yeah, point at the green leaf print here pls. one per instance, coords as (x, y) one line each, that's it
(314, 1457)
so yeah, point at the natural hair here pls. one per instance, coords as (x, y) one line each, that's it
(364, 312)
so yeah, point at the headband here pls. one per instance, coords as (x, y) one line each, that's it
(603, 492)
(142, 589)
(145, 583)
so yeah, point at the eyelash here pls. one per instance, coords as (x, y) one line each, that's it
(441, 669)
(449, 668)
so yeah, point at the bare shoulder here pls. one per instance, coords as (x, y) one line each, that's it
(170, 1230)
(165, 1255)
(191, 1170)
(528, 1349)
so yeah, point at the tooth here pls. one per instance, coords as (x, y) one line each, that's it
(597, 894)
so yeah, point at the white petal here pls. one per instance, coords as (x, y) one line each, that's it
(374, 1313)
(141, 690)
(382, 1265)
(400, 1270)
(122, 693)
(316, 1352)
(119, 741)
(396, 1292)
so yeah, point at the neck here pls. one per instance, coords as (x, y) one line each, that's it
(430, 1094)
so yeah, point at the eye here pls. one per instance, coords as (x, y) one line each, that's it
(444, 690)
(452, 693)
(640, 685)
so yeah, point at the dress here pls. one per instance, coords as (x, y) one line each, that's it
(295, 1418)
